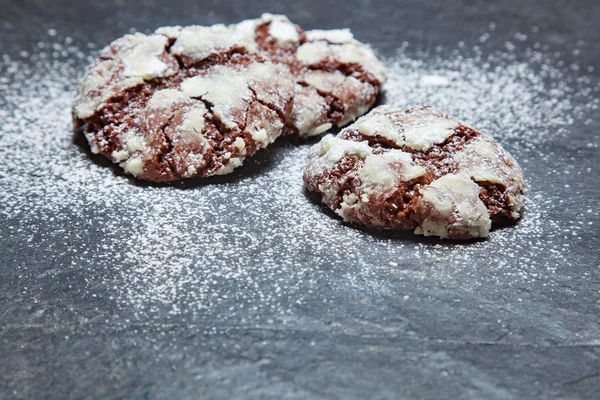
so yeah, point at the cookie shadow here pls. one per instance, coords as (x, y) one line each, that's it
(380, 100)
(258, 164)
(408, 235)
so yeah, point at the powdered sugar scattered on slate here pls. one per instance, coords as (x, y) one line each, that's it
(254, 247)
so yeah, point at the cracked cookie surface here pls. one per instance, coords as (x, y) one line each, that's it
(419, 168)
(168, 108)
(196, 101)
(337, 77)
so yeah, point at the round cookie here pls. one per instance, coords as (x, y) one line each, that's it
(418, 168)
(337, 77)
(169, 108)
(196, 101)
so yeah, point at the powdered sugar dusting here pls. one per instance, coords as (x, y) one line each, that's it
(254, 247)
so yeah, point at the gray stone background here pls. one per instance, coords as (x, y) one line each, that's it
(445, 343)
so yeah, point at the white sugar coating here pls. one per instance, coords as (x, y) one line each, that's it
(379, 125)
(240, 144)
(381, 172)
(191, 133)
(260, 137)
(485, 161)
(422, 137)
(165, 98)
(100, 76)
(378, 174)
(232, 164)
(324, 81)
(480, 159)
(308, 109)
(321, 129)
(138, 58)
(190, 252)
(199, 42)
(193, 122)
(332, 149)
(133, 165)
(311, 53)
(229, 89)
(133, 146)
(361, 54)
(264, 134)
(454, 195)
(337, 36)
(133, 141)
(142, 61)
(169, 31)
(362, 92)
(419, 129)
(283, 31)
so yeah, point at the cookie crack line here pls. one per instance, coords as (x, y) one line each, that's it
(270, 106)
(453, 183)
(332, 105)
(220, 125)
(349, 70)
(162, 156)
(168, 48)
(215, 59)
(180, 62)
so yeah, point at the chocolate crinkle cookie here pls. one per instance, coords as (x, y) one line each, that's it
(418, 168)
(196, 101)
(167, 108)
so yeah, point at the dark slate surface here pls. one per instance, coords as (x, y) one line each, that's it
(445, 345)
